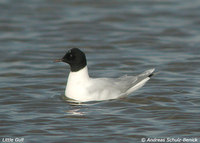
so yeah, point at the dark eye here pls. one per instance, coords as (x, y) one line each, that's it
(71, 56)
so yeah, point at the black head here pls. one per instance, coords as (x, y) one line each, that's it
(75, 58)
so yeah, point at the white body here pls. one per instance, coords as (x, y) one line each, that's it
(82, 88)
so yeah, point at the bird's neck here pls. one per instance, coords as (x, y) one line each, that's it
(79, 75)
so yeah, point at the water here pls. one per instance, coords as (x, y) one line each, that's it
(119, 37)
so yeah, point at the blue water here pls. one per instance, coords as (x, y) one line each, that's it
(118, 37)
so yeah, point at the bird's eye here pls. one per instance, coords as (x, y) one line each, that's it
(71, 56)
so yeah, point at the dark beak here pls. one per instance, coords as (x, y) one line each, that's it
(58, 60)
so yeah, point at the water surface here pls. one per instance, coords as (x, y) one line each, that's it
(119, 37)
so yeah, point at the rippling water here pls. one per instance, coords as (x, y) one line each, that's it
(119, 37)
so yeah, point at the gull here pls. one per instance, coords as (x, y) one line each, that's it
(82, 88)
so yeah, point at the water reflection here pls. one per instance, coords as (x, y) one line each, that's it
(75, 112)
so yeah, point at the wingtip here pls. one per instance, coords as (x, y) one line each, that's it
(151, 72)
(151, 75)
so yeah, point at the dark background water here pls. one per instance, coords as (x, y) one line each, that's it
(119, 37)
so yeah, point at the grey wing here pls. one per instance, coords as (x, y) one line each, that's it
(128, 84)
(121, 86)
(124, 83)
(114, 85)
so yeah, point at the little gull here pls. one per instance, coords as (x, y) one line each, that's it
(82, 88)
